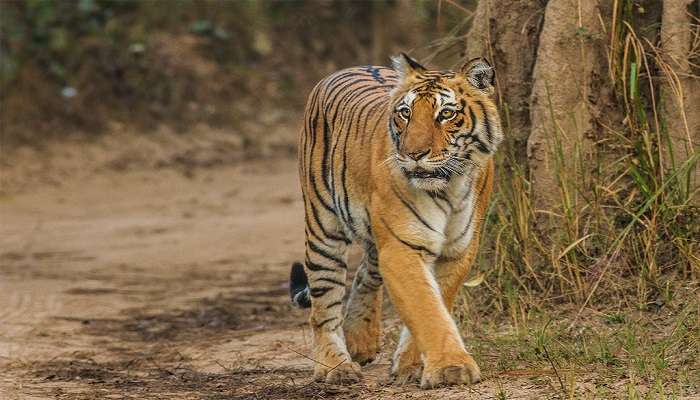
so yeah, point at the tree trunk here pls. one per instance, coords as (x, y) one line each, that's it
(567, 59)
(589, 92)
(680, 91)
(561, 66)
(506, 33)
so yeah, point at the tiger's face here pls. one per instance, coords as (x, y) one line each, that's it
(442, 121)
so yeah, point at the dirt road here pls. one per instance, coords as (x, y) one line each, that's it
(154, 284)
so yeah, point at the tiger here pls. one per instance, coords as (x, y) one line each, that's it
(400, 162)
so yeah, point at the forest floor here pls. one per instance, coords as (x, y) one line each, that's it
(168, 280)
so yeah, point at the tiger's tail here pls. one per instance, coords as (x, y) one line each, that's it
(299, 286)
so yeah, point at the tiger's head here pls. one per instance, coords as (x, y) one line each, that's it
(442, 121)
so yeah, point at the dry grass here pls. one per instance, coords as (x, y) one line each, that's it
(608, 301)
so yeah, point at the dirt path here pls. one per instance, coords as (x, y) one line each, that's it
(158, 284)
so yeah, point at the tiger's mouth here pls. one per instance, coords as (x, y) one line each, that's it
(421, 173)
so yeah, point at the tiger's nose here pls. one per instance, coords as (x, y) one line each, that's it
(417, 155)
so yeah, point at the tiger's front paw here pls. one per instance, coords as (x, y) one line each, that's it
(464, 371)
(344, 374)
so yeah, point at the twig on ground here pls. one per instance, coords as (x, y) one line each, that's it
(556, 372)
(315, 361)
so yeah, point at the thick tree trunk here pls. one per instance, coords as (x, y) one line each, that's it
(680, 91)
(568, 59)
(506, 33)
(551, 59)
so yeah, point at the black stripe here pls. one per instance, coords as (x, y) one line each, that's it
(375, 275)
(331, 175)
(311, 175)
(323, 228)
(471, 216)
(469, 134)
(472, 116)
(333, 79)
(347, 220)
(374, 108)
(368, 227)
(333, 304)
(435, 200)
(410, 207)
(324, 158)
(481, 146)
(487, 123)
(330, 280)
(320, 291)
(334, 238)
(374, 103)
(325, 321)
(325, 205)
(311, 108)
(464, 231)
(335, 102)
(395, 134)
(442, 196)
(310, 230)
(409, 244)
(338, 82)
(354, 94)
(371, 286)
(344, 168)
(353, 113)
(312, 246)
(312, 266)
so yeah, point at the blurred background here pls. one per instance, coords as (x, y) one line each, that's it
(150, 208)
(246, 66)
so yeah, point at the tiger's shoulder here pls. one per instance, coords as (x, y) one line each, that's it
(360, 76)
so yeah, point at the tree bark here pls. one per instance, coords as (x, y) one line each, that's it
(568, 59)
(680, 90)
(506, 33)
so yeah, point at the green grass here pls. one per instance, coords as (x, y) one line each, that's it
(614, 354)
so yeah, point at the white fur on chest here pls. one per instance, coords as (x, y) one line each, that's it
(443, 223)
(452, 216)
(460, 228)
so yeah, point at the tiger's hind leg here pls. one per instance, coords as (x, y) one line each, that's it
(363, 320)
(326, 270)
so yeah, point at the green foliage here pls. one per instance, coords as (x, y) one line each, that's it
(646, 354)
(53, 33)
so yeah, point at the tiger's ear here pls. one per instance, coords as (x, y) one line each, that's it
(405, 65)
(479, 73)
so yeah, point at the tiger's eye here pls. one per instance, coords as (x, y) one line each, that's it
(405, 113)
(446, 114)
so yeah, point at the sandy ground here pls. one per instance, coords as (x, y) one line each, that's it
(157, 284)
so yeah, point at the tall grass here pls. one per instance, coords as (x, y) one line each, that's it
(627, 231)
